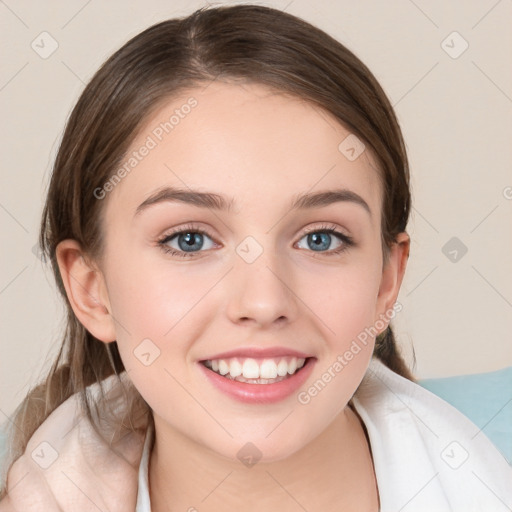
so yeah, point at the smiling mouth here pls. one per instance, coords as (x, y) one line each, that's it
(257, 371)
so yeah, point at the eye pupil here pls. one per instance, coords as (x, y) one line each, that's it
(193, 241)
(318, 242)
(190, 240)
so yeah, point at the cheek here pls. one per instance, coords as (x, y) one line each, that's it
(347, 314)
(155, 310)
(149, 298)
(344, 299)
(156, 320)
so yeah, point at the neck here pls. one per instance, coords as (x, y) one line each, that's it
(333, 472)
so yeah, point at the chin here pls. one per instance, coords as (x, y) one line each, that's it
(260, 449)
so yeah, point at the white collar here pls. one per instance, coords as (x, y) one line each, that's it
(143, 502)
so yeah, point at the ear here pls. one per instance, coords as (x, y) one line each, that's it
(392, 275)
(86, 290)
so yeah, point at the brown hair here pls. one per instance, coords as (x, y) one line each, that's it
(242, 42)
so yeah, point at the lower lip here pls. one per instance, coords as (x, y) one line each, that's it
(260, 393)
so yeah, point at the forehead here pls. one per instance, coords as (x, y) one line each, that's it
(247, 142)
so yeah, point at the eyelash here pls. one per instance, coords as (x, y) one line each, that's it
(190, 228)
(346, 240)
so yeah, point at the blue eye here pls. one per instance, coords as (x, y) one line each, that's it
(321, 239)
(189, 242)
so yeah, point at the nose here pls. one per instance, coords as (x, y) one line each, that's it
(261, 293)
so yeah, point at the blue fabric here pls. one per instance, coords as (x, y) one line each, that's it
(485, 398)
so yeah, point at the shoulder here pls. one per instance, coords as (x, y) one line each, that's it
(425, 451)
(69, 464)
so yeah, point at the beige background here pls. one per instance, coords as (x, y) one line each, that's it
(455, 112)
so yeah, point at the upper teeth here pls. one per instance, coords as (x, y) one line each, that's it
(256, 369)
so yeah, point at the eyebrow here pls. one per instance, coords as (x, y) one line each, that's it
(218, 202)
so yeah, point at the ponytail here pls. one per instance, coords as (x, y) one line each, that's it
(387, 351)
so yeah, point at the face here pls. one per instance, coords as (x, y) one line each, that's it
(248, 278)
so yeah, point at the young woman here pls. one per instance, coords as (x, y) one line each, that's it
(226, 222)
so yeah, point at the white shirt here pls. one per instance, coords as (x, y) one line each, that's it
(143, 503)
(427, 455)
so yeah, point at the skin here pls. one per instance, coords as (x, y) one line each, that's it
(260, 148)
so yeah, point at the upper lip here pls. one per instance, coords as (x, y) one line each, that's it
(258, 352)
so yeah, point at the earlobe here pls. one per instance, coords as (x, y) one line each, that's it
(392, 275)
(86, 290)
